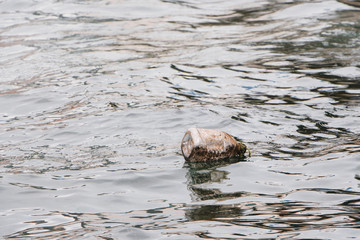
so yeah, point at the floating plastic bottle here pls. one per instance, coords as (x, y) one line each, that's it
(200, 145)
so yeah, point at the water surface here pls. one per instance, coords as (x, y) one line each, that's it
(95, 97)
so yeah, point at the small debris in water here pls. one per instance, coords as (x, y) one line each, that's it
(113, 104)
(200, 145)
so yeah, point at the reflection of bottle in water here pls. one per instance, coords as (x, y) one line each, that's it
(199, 145)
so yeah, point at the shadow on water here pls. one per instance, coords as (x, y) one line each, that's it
(208, 172)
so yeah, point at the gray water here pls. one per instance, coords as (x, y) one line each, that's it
(95, 97)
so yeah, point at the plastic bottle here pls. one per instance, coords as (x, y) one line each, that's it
(200, 145)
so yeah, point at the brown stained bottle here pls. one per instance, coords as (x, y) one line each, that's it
(200, 145)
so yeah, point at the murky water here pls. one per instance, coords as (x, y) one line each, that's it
(95, 97)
